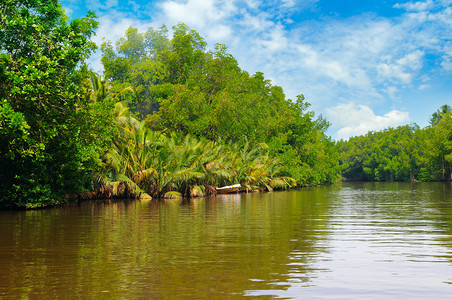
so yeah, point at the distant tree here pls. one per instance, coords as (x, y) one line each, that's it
(392, 154)
(401, 154)
(441, 152)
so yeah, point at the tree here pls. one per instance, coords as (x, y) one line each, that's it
(442, 146)
(49, 141)
(185, 55)
(438, 115)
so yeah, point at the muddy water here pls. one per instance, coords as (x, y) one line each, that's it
(345, 241)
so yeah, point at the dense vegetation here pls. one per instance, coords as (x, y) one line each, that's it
(168, 118)
(180, 87)
(196, 119)
(405, 153)
(51, 133)
(205, 122)
(172, 165)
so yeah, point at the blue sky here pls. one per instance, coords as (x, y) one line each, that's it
(364, 65)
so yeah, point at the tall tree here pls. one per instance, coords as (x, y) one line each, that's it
(47, 148)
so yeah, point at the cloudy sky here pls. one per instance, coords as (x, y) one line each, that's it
(364, 65)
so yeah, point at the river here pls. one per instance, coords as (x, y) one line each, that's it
(344, 241)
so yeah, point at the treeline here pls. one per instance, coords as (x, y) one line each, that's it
(196, 119)
(203, 122)
(179, 86)
(169, 118)
(405, 153)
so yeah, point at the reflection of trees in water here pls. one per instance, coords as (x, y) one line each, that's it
(417, 216)
(441, 203)
(199, 247)
(209, 247)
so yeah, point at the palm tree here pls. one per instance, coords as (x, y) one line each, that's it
(126, 163)
(100, 89)
(142, 161)
(256, 170)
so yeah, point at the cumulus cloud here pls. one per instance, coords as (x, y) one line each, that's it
(356, 120)
(394, 72)
(209, 16)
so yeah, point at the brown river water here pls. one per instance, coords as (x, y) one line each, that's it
(344, 241)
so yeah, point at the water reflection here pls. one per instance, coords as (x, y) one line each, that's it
(343, 241)
(384, 241)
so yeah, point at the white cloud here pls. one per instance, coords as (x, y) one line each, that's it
(253, 24)
(114, 25)
(447, 64)
(68, 11)
(412, 60)
(362, 55)
(207, 16)
(356, 120)
(135, 6)
(276, 41)
(253, 4)
(416, 6)
(289, 3)
(394, 72)
(391, 91)
(336, 56)
(298, 4)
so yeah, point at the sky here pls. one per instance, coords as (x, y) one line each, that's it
(363, 65)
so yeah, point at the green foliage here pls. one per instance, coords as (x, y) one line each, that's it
(439, 154)
(51, 133)
(405, 153)
(389, 155)
(437, 115)
(180, 87)
(14, 132)
(148, 162)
